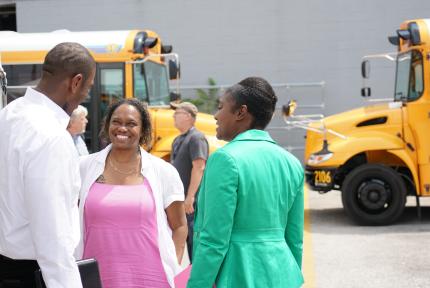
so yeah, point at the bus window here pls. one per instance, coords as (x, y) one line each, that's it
(402, 76)
(409, 76)
(111, 87)
(416, 79)
(21, 76)
(157, 82)
(140, 91)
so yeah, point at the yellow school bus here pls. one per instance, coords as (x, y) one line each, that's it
(130, 64)
(379, 154)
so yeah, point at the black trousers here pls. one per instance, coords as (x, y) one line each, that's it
(17, 273)
(190, 222)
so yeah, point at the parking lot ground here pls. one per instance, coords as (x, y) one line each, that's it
(339, 253)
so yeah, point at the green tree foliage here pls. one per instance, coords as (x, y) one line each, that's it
(206, 99)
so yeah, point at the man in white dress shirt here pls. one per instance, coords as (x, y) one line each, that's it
(39, 174)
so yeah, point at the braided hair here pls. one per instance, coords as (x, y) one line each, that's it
(259, 98)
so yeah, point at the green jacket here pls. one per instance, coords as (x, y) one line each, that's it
(248, 230)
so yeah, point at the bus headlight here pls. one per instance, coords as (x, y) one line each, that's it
(317, 158)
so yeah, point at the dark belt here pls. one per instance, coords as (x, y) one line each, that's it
(17, 273)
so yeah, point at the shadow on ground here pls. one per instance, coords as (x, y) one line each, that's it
(334, 220)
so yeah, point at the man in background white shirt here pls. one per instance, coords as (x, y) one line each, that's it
(78, 123)
(39, 174)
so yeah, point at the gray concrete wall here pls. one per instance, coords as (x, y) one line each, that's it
(283, 41)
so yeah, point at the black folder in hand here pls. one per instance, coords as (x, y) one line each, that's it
(89, 270)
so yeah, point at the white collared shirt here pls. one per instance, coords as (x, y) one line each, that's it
(166, 187)
(39, 188)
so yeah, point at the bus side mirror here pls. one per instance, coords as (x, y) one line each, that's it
(289, 108)
(174, 70)
(365, 69)
(166, 49)
(366, 92)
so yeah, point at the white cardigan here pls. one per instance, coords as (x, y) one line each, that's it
(166, 187)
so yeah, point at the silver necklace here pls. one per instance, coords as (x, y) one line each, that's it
(124, 172)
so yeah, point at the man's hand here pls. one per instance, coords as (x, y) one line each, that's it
(189, 202)
(196, 176)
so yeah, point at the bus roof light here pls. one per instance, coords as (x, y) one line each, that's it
(150, 42)
(415, 33)
(139, 42)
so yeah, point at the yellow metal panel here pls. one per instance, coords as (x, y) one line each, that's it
(343, 150)
(129, 93)
(402, 154)
(425, 180)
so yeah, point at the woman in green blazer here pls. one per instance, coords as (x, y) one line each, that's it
(249, 224)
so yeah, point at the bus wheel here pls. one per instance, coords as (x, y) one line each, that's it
(373, 194)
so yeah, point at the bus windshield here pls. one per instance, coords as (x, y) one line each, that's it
(151, 83)
(409, 76)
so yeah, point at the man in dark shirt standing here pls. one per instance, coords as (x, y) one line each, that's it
(189, 154)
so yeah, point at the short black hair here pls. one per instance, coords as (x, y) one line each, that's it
(68, 59)
(258, 96)
(146, 132)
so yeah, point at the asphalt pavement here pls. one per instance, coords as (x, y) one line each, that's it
(338, 253)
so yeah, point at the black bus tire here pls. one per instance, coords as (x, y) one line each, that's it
(373, 194)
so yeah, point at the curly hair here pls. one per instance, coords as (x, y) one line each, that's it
(146, 132)
(259, 98)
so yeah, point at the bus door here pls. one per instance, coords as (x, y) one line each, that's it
(108, 88)
(411, 89)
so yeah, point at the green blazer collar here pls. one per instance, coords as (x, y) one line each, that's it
(254, 135)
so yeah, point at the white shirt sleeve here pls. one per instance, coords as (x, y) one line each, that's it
(51, 188)
(173, 189)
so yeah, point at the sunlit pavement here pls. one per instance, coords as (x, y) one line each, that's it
(308, 261)
(338, 253)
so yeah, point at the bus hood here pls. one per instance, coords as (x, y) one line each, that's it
(164, 130)
(388, 113)
(382, 118)
(162, 119)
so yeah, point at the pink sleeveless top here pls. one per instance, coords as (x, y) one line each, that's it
(121, 233)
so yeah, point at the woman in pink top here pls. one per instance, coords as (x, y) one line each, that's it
(132, 212)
